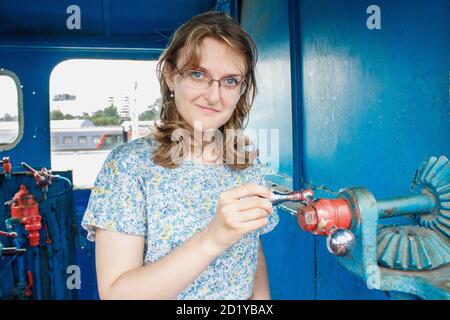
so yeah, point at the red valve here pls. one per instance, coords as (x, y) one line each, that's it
(27, 291)
(43, 178)
(322, 216)
(7, 167)
(25, 209)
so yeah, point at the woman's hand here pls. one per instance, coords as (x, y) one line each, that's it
(239, 210)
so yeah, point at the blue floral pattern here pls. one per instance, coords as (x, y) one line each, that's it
(132, 195)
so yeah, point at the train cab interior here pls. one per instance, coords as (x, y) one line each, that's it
(354, 94)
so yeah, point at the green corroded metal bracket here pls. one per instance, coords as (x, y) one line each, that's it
(412, 259)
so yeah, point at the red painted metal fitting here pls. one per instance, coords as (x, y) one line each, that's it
(7, 167)
(324, 215)
(27, 292)
(307, 218)
(308, 195)
(25, 209)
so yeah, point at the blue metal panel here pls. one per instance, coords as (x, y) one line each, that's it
(56, 251)
(139, 17)
(48, 17)
(375, 103)
(289, 251)
(98, 17)
(85, 250)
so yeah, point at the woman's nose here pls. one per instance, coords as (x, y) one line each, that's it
(213, 92)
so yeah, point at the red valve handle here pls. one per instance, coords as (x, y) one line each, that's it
(323, 216)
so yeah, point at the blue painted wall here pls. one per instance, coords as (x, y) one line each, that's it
(375, 103)
(289, 251)
(367, 106)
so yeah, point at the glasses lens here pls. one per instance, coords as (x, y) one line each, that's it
(200, 80)
(197, 79)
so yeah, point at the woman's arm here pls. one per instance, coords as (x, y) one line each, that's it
(121, 274)
(261, 289)
(119, 257)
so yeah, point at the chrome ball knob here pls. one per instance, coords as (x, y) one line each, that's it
(340, 242)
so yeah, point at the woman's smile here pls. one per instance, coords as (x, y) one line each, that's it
(207, 109)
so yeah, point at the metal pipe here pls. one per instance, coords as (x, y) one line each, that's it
(11, 251)
(37, 274)
(21, 283)
(418, 204)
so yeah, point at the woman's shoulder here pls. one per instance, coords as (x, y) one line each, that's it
(257, 172)
(260, 167)
(133, 153)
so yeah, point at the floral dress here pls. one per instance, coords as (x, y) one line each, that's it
(133, 195)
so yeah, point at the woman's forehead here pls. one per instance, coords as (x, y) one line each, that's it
(215, 57)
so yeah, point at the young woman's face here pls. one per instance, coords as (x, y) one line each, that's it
(211, 106)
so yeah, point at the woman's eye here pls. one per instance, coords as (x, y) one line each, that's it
(231, 82)
(197, 75)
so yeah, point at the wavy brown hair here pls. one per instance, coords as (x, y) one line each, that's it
(189, 37)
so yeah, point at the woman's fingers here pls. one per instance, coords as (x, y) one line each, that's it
(250, 215)
(255, 224)
(246, 190)
(254, 202)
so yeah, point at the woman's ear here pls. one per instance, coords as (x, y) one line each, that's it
(168, 77)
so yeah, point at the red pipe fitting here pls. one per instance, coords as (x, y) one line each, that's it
(25, 209)
(322, 216)
(7, 167)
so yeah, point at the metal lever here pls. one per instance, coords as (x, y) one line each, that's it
(305, 196)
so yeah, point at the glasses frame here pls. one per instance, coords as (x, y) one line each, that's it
(242, 83)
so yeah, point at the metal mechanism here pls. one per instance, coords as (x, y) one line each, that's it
(32, 274)
(25, 210)
(413, 259)
(331, 217)
(304, 196)
(7, 167)
(43, 177)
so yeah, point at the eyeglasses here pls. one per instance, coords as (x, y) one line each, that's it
(201, 80)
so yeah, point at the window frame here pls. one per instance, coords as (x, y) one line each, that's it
(20, 118)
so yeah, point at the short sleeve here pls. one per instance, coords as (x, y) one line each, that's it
(262, 171)
(117, 200)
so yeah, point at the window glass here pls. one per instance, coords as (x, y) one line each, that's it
(9, 109)
(68, 140)
(82, 140)
(96, 105)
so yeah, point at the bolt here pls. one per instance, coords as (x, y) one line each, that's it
(307, 218)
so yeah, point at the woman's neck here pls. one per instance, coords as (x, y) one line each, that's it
(207, 155)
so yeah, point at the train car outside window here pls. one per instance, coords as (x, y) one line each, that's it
(82, 140)
(96, 139)
(95, 105)
(68, 140)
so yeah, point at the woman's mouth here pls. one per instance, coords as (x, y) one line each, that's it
(206, 109)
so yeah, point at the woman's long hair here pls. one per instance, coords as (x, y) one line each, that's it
(189, 37)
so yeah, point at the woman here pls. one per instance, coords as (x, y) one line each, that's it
(171, 215)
